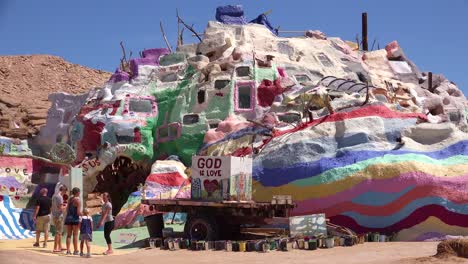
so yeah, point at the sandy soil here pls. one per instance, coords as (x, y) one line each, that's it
(394, 252)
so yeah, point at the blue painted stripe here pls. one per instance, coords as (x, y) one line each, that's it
(380, 198)
(284, 175)
(384, 221)
(14, 224)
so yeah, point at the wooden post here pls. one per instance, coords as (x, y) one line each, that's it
(429, 81)
(364, 32)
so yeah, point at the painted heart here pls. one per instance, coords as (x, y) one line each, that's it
(211, 186)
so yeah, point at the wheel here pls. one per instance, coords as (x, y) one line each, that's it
(201, 228)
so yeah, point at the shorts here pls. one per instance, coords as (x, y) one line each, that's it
(88, 237)
(58, 223)
(43, 223)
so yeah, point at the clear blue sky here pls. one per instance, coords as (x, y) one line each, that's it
(434, 34)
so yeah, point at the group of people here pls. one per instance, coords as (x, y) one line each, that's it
(67, 213)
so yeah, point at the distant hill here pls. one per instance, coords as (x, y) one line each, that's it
(25, 83)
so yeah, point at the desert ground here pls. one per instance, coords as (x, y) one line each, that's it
(21, 252)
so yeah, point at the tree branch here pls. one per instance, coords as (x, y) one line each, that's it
(164, 36)
(188, 27)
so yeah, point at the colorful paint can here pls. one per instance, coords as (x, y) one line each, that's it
(229, 246)
(250, 246)
(264, 246)
(312, 244)
(330, 242)
(201, 245)
(300, 243)
(193, 245)
(348, 241)
(242, 246)
(375, 237)
(235, 246)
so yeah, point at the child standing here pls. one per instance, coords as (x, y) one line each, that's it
(86, 233)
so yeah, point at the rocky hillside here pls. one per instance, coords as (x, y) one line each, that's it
(26, 82)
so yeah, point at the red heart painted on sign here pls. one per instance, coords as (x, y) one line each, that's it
(17, 197)
(210, 186)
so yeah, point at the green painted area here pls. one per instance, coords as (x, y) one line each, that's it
(147, 141)
(265, 73)
(343, 172)
(172, 58)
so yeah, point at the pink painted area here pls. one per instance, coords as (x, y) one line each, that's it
(391, 185)
(8, 162)
(230, 125)
(213, 135)
(252, 96)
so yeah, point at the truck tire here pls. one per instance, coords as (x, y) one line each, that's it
(201, 228)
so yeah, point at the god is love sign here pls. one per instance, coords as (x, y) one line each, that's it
(221, 178)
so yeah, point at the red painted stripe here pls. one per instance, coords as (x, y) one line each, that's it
(371, 110)
(168, 178)
(395, 206)
(418, 216)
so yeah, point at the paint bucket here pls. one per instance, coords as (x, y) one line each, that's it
(242, 246)
(250, 246)
(342, 241)
(209, 245)
(235, 246)
(300, 243)
(348, 241)
(170, 244)
(312, 244)
(152, 243)
(337, 241)
(382, 238)
(273, 245)
(201, 245)
(219, 245)
(375, 237)
(229, 246)
(265, 246)
(320, 242)
(330, 242)
(165, 245)
(177, 244)
(193, 245)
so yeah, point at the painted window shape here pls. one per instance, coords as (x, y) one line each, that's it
(201, 96)
(302, 78)
(171, 77)
(238, 33)
(243, 71)
(221, 84)
(191, 119)
(140, 105)
(289, 118)
(125, 139)
(213, 123)
(244, 96)
(168, 132)
(324, 60)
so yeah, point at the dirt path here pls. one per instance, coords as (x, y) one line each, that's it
(394, 252)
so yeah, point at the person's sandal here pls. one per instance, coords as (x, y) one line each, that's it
(36, 244)
(88, 255)
(68, 253)
(76, 253)
(44, 245)
(81, 254)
